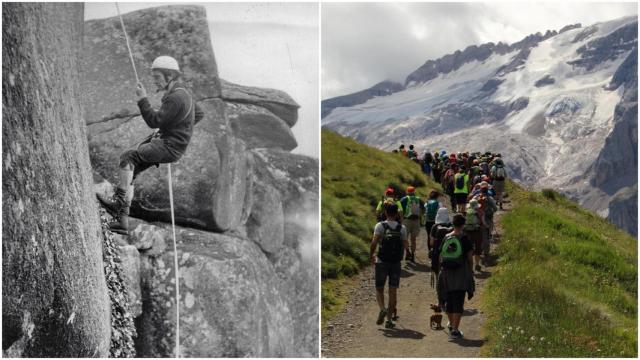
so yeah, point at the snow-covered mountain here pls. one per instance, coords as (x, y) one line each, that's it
(561, 107)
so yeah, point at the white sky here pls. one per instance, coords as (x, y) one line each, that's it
(365, 43)
(272, 45)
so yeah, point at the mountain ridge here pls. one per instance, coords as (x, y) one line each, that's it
(555, 101)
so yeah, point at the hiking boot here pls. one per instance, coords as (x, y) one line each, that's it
(381, 316)
(456, 334)
(114, 204)
(121, 224)
(389, 324)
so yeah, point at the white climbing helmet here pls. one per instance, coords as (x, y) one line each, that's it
(165, 62)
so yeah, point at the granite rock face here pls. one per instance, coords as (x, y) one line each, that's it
(55, 301)
(231, 299)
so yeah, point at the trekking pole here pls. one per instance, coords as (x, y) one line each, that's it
(173, 224)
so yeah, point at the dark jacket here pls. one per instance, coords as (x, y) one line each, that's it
(175, 119)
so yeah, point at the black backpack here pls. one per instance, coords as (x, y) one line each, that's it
(459, 182)
(390, 249)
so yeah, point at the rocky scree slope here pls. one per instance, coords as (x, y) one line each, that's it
(561, 107)
(243, 202)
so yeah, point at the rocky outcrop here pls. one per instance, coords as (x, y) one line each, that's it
(608, 47)
(545, 80)
(276, 102)
(380, 89)
(451, 62)
(616, 168)
(231, 300)
(54, 293)
(242, 205)
(623, 209)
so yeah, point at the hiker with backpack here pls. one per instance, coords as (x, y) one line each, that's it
(436, 168)
(411, 206)
(461, 189)
(489, 207)
(174, 120)
(439, 230)
(390, 240)
(455, 279)
(473, 228)
(448, 184)
(426, 165)
(402, 150)
(412, 154)
(431, 210)
(498, 175)
(387, 199)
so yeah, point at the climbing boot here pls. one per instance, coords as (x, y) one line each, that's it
(114, 204)
(121, 224)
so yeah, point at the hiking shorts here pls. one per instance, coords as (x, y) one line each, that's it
(154, 152)
(390, 270)
(454, 302)
(476, 239)
(461, 198)
(498, 186)
(413, 226)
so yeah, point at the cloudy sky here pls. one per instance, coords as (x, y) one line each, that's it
(273, 45)
(365, 43)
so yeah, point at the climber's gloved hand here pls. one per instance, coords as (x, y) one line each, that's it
(140, 91)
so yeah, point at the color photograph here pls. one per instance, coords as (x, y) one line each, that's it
(479, 179)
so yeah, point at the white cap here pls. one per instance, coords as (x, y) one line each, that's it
(165, 62)
(442, 217)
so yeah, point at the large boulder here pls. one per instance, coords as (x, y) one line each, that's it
(259, 127)
(295, 178)
(277, 102)
(108, 79)
(231, 300)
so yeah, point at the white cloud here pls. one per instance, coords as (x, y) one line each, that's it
(365, 43)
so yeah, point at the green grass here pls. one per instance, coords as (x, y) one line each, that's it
(354, 178)
(566, 285)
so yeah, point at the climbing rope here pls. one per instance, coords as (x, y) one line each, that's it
(173, 223)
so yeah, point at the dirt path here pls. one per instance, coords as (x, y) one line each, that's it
(353, 332)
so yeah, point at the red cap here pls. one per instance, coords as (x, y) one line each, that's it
(411, 189)
(389, 191)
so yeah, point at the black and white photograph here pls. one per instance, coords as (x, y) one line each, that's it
(160, 179)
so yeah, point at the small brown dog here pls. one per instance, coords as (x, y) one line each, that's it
(436, 319)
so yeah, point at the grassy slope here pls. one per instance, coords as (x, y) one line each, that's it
(354, 177)
(565, 275)
(566, 285)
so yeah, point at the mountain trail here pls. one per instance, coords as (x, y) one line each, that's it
(354, 333)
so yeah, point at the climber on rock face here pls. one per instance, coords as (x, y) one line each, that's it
(174, 120)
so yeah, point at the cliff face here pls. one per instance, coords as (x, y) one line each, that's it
(242, 201)
(54, 295)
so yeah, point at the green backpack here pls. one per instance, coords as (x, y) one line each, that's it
(451, 252)
(413, 207)
(473, 221)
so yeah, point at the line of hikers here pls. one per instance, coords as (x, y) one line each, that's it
(458, 245)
